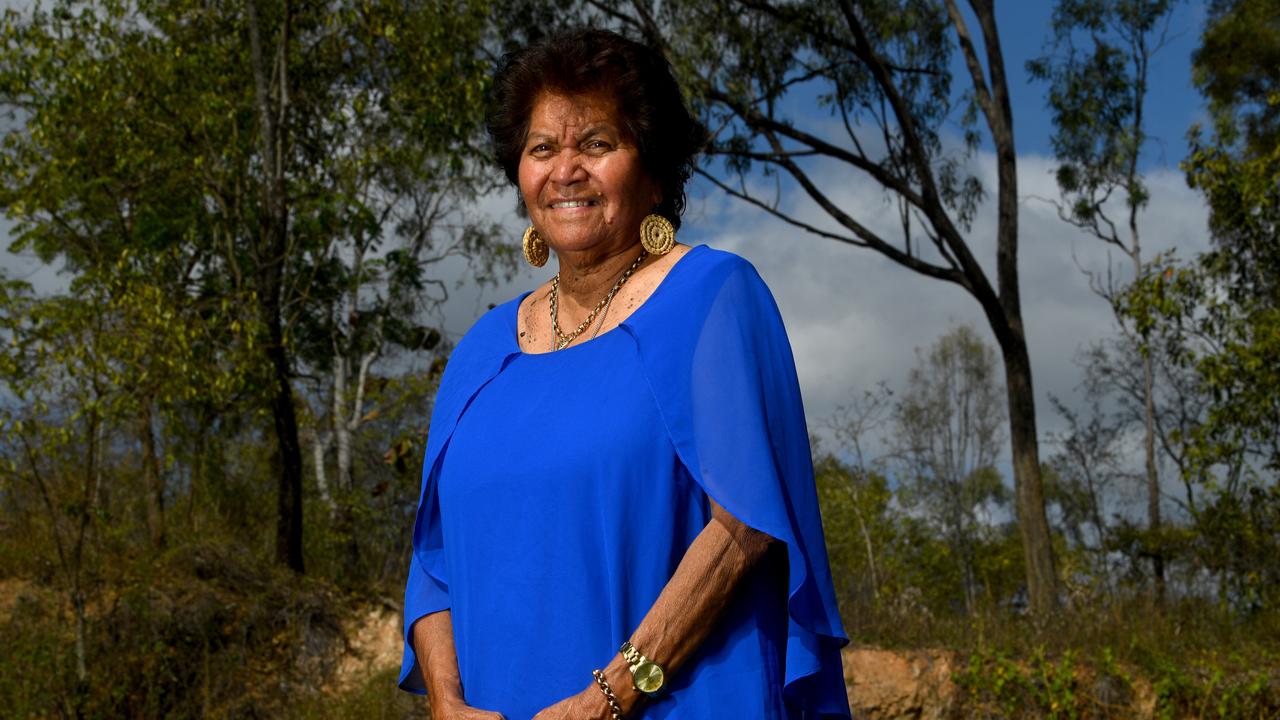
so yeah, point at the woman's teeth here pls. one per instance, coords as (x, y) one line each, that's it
(572, 204)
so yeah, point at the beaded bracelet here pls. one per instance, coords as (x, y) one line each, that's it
(608, 694)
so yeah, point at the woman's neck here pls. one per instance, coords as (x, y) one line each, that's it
(585, 277)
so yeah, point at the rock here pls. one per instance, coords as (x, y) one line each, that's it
(907, 685)
(373, 645)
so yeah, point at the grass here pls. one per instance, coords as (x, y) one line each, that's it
(1189, 659)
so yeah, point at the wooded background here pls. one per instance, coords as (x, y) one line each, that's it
(210, 440)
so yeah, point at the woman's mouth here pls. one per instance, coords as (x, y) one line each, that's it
(572, 204)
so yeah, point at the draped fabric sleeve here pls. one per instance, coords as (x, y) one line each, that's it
(479, 357)
(725, 381)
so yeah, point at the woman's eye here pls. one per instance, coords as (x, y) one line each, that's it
(597, 145)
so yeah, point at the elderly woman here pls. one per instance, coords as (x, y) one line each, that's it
(618, 516)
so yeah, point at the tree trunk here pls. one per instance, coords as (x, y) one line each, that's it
(1153, 479)
(289, 489)
(152, 480)
(270, 257)
(341, 426)
(1004, 312)
(855, 477)
(319, 445)
(1033, 525)
(1148, 416)
(82, 664)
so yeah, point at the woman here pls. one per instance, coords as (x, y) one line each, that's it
(618, 516)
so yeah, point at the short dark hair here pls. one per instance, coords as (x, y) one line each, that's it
(639, 80)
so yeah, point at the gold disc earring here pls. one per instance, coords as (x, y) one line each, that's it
(657, 235)
(535, 248)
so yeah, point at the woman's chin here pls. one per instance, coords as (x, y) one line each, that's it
(592, 244)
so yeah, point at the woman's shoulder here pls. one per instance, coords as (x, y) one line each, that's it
(708, 272)
(717, 283)
(706, 286)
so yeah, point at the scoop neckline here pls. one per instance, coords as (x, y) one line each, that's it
(515, 316)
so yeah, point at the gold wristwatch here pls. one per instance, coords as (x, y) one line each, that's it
(646, 675)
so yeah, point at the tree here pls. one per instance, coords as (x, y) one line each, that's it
(257, 143)
(1085, 471)
(858, 486)
(1237, 284)
(882, 70)
(79, 370)
(1219, 314)
(948, 435)
(1097, 95)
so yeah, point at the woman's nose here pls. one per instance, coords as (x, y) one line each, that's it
(567, 168)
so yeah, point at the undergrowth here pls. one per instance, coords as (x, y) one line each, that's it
(212, 630)
(206, 630)
(1187, 660)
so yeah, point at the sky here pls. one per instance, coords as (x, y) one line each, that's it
(855, 319)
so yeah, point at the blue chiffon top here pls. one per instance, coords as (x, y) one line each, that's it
(561, 490)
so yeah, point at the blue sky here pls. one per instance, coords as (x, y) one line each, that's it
(1173, 104)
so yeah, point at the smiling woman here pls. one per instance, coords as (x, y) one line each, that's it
(618, 515)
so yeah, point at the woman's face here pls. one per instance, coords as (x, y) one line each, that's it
(581, 177)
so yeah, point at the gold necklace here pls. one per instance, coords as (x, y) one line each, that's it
(563, 339)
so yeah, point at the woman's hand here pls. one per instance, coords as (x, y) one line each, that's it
(586, 705)
(461, 711)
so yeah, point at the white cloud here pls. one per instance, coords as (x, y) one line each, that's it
(854, 317)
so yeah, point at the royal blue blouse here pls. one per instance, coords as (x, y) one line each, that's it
(561, 490)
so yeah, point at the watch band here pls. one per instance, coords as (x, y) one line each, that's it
(631, 654)
(647, 676)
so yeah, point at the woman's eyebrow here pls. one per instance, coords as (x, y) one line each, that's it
(539, 135)
(601, 128)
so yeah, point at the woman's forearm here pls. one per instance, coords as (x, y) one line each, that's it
(693, 600)
(437, 657)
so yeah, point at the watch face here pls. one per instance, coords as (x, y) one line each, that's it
(648, 678)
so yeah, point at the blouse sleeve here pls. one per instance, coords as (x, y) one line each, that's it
(479, 357)
(726, 384)
(423, 595)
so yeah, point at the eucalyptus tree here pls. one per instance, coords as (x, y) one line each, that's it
(262, 145)
(1097, 70)
(882, 72)
(948, 435)
(1219, 314)
(1237, 284)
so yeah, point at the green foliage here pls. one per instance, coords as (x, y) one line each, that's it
(289, 172)
(33, 671)
(947, 430)
(206, 630)
(1210, 685)
(1215, 320)
(1096, 73)
(1040, 687)
(1217, 684)
(1221, 313)
(1235, 69)
(207, 276)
